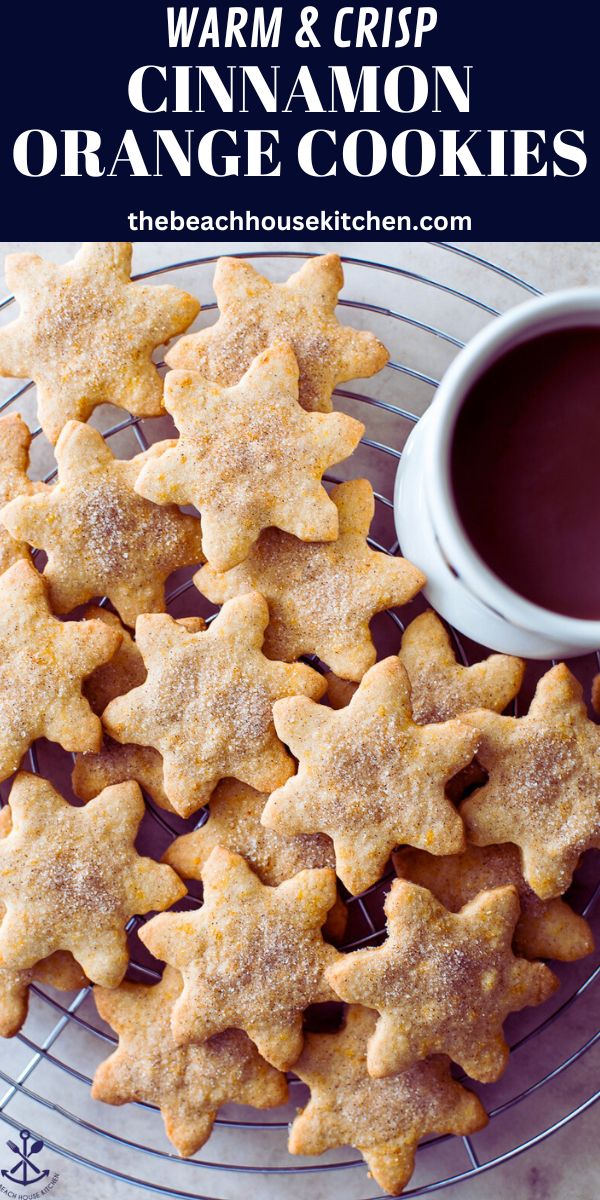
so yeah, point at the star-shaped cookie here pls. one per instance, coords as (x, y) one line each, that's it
(596, 694)
(114, 763)
(43, 663)
(255, 312)
(101, 538)
(545, 928)
(543, 792)
(441, 687)
(85, 333)
(187, 1083)
(70, 878)
(252, 958)
(442, 982)
(383, 1118)
(15, 440)
(369, 776)
(321, 595)
(125, 670)
(249, 457)
(59, 970)
(207, 703)
(234, 822)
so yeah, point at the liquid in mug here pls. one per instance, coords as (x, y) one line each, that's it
(525, 470)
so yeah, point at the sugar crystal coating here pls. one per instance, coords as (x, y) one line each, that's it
(255, 312)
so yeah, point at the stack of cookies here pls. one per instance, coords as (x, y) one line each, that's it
(313, 774)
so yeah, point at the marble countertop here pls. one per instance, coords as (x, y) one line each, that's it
(564, 1167)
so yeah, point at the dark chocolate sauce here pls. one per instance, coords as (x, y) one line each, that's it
(525, 469)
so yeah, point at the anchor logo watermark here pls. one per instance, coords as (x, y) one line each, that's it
(25, 1173)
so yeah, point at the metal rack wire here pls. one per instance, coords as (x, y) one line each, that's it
(47, 1088)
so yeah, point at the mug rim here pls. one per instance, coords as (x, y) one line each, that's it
(540, 315)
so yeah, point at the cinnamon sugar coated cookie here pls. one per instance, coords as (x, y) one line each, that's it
(117, 764)
(383, 1118)
(114, 763)
(85, 333)
(234, 822)
(544, 929)
(255, 312)
(543, 792)
(70, 878)
(59, 970)
(207, 703)
(187, 1083)
(321, 596)
(125, 670)
(101, 538)
(442, 688)
(43, 665)
(252, 958)
(15, 440)
(442, 982)
(369, 776)
(249, 457)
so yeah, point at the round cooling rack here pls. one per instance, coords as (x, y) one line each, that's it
(46, 1071)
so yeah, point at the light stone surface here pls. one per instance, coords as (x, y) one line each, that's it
(565, 1167)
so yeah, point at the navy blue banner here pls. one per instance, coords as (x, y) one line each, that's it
(460, 119)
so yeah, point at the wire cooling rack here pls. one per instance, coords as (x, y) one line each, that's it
(45, 1073)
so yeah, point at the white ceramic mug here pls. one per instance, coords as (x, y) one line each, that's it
(460, 585)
